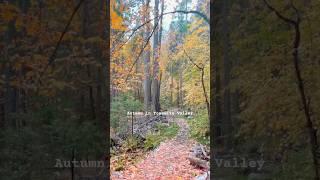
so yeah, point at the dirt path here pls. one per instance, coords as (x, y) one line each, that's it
(167, 162)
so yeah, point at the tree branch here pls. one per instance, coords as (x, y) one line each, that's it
(200, 68)
(313, 136)
(141, 51)
(54, 53)
(160, 16)
(296, 11)
(202, 81)
(290, 21)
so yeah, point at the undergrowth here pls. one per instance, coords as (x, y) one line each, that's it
(200, 128)
(163, 132)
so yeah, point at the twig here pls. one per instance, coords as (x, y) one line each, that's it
(160, 16)
(141, 51)
(53, 55)
(290, 21)
(200, 68)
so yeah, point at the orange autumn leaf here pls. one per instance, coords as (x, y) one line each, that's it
(116, 19)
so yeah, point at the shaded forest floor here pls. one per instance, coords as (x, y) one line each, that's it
(168, 161)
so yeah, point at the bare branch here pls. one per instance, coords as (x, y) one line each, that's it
(54, 53)
(141, 51)
(160, 16)
(202, 81)
(296, 11)
(184, 51)
(290, 21)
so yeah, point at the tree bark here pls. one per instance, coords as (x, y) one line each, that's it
(226, 76)
(147, 75)
(156, 44)
(106, 72)
(205, 92)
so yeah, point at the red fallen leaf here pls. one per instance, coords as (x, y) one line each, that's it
(167, 162)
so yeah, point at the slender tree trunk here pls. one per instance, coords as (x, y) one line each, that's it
(181, 87)
(205, 91)
(178, 95)
(171, 90)
(147, 75)
(136, 90)
(159, 49)
(306, 108)
(156, 44)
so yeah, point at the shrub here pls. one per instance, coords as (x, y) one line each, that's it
(131, 143)
(200, 128)
(163, 133)
(120, 106)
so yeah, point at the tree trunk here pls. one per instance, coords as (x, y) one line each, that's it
(178, 95)
(147, 75)
(10, 98)
(181, 87)
(85, 26)
(106, 78)
(205, 91)
(226, 76)
(300, 83)
(99, 95)
(156, 45)
(171, 90)
(90, 94)
(216, 115)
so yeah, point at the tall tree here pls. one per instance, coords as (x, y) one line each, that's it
(156, 53)
(146, 57)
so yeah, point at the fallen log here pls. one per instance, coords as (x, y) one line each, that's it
(198, 162)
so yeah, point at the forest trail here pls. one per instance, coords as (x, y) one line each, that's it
(167, 162)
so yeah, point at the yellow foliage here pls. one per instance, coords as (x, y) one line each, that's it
(116, 19)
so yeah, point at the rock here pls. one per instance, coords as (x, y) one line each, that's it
(196, 151)
(204, 176)
(117, 174)
(200, 152)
